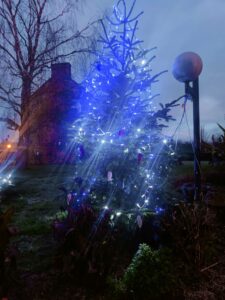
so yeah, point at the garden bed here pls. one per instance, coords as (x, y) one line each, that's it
(37, 196)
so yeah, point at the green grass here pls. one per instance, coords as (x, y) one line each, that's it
(187, 169)
(36, 197)
(30, 226)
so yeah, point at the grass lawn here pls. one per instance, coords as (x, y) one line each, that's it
(187, 168)
(36, 197)
(212, 177)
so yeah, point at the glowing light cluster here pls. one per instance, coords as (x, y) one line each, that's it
(120, 123)
(5, 180)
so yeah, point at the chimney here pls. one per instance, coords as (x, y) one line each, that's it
(61, 71)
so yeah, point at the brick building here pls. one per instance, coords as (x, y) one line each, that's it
(51, 111)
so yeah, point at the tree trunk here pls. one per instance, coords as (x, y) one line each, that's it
(24, 127)
(25, 100)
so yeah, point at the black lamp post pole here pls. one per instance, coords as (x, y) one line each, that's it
(193, 91)
(187, 68)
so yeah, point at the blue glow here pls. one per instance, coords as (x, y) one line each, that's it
(119, 125)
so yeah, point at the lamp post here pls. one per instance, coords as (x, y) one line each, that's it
(187, 68)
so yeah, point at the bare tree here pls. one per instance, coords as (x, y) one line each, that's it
(32, 36)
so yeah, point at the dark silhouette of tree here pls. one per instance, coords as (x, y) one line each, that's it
(32, 37)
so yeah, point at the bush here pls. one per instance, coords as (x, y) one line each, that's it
(191, 230)
(150, 274)
(86, 241)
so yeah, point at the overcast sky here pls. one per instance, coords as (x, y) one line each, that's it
(175, 27)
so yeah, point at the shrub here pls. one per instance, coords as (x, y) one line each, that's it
(86, 240)
(191, 230)
(150, 274)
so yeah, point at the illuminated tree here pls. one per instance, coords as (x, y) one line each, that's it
(123, 156)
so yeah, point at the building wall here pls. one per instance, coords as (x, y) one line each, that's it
(49, 118)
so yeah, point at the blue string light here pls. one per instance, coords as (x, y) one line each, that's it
(119, 123)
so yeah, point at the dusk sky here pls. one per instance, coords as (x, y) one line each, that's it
(175, 27)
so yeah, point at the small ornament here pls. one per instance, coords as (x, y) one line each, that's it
(69, 198)
(139, 221)
(140, 158)
(99, 66)
(81, 151)
(109, 176)
(78, 107)
(127, 189)
(123, 184)
(121, 132)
